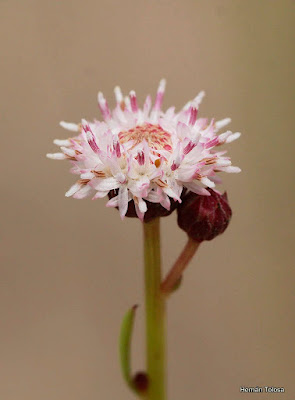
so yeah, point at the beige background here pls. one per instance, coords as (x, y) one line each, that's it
(70, 269)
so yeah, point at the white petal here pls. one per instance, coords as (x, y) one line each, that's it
(185, 174)
(233, 137)
(68, 152)
(123, 201)
(105, 184)
(138, 212)
(75, 170)
(59, 142)
(170, 113)
(187, 105)
(199, 98)
(231, 169)
(83, 192)
(118, 94)
(69, 126)
(142, 205)
(195, 188)
(171, 193)
(222, 163)
(182, 130)
(224, 136)
(56, 156)
(153, 197)
(222, 123)
(216, 179)
(120, 177)
(165, 202)
(113, 202)
(147, 106)
(99, 195)
(114, 166)
(73, 189)
(87, 175)
(207, 182)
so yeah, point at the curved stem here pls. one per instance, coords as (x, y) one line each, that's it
(155, 312)
(181, 263)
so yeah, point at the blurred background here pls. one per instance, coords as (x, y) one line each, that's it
(70, 269)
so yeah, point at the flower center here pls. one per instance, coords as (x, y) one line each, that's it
(156, 137)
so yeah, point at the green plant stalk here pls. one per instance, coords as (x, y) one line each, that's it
(155, 312)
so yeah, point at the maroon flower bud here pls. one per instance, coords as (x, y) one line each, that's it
(153, 209)
(141, 382)
(204, 217)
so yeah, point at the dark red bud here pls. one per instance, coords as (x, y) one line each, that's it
(204, 217)
(153, 209)
(141, 381)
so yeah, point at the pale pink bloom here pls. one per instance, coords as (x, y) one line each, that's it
(145, 154)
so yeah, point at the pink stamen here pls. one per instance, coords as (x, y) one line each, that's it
(91, 138)
(103, 106)
(140, 158)
(212, 143)
(118, 95)
(160, 95)
(193, 116)
(86, 127)
(133, 101)
(188, 148)
(174, 166)
(117, 149)
(92, 142)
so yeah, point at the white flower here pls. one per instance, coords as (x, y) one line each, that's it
(145, 154)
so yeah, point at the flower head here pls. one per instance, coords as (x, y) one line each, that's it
(145, 155)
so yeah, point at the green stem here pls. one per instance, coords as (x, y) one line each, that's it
(155, 312)
(179, 266)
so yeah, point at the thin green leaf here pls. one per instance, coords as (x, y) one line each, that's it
(125, 346)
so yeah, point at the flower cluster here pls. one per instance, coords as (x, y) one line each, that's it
(145, 155)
